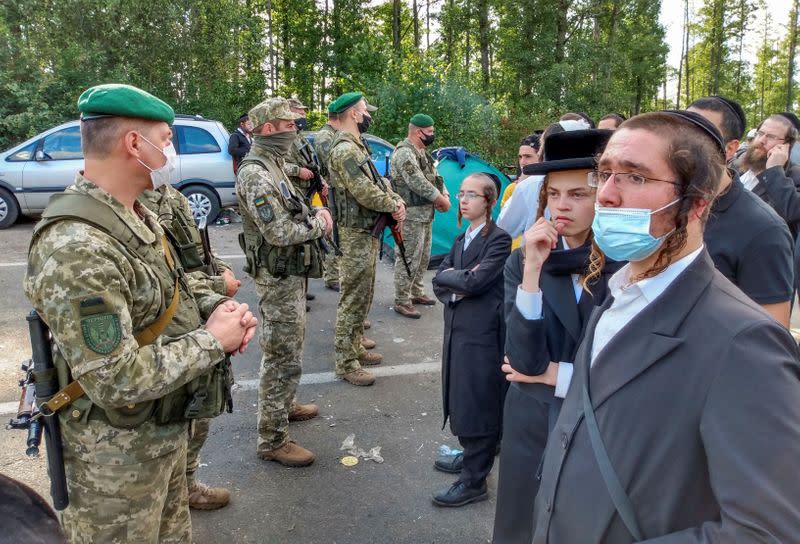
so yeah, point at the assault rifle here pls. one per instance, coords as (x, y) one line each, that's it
(385, 219)
(208, 256)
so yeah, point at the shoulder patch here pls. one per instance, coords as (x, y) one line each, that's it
(351, 165)
(264, 208)
(101, 332)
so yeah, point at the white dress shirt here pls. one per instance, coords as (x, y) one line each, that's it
(631, 299)
(749, 180)
(470, 235)
(519, 213)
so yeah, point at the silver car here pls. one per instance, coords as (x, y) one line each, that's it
(46, 164)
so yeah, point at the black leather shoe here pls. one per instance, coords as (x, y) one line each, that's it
(451, 464)
(310, 296)
(459, 494)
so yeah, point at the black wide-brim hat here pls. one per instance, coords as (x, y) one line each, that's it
(570, 150)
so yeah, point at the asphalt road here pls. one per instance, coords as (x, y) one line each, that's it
(327, 502)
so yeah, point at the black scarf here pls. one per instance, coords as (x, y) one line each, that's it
(564, 262)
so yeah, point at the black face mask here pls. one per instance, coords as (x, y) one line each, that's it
(364, 124)
(427, 139)
(301, 123)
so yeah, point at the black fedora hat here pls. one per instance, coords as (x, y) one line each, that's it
(570, 150)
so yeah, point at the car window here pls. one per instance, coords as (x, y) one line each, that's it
(195, 140)
(24, 154)
(64, 144)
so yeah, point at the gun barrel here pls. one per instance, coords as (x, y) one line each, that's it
(42, 356)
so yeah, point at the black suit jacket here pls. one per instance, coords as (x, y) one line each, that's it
(473, 386)
(698, 403)
(780, 188)
(238, 147)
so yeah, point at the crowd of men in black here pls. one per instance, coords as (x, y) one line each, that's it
(644, 320)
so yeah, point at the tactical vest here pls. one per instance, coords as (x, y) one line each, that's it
(204, 397)
(347, 212)
(182, 232)
(410, 197)
(304, 260)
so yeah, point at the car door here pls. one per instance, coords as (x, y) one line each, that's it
(200, 155)
(58, 157)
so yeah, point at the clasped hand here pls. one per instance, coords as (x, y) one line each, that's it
(233, 325)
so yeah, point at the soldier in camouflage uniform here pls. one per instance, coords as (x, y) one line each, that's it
(127, 327)
(175, 215)
(322, 145)
(359, 196)
(281, 243)
(422, 189)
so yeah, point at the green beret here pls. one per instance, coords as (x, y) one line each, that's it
(422, 121)
(115, 99)
(344, 102)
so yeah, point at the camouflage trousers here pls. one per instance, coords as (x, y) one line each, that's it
(357, 284)
(417, 239)
(198, 433)
(142, 502)
(330, 268)
(282, 306)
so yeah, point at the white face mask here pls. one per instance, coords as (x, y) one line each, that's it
(161, 176)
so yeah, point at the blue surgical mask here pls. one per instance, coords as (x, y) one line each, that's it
(623, 234)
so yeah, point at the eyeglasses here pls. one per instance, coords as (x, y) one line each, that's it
(768, 137)
(599, 178)
(466, 196)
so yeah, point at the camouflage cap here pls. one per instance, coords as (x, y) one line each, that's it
(272, 109)
(295, 103)
(118, 100)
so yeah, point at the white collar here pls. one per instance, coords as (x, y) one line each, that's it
(651, 288)
(471, 233)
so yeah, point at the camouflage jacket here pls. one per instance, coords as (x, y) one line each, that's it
(265, 202)
(168, 203)
(415, 179)
(323, 143)
(96, 295)
(347, 174)
(301, 155)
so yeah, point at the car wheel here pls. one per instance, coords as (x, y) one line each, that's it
(9, 209)
(203, 202)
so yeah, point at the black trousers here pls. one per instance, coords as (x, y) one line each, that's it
(526, 424)
(478, 458)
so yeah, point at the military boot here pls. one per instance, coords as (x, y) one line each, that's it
(424, 300)
(368, 343)
(302, 412)
(370, 358)
(202, 497)
(290, 455)
(359, 377)
(407, 310)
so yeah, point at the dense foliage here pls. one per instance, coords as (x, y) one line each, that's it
(489, 71)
